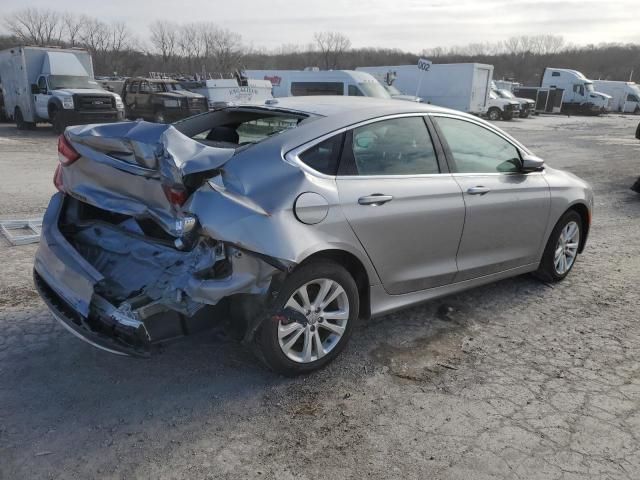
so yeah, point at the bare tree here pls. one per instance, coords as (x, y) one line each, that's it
(164, 38)
(35, 26)
(72, 28)
(222, 48)
(190, 43)
(332, 47)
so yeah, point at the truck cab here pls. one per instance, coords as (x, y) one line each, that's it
(580, 96)
(625, 95)
(160, 100)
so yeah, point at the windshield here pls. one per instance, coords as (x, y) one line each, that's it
(392, 90)
(493, 95)
(56, 82)
(505, 93)
(589, 87)
(171, 87)
(373, 89)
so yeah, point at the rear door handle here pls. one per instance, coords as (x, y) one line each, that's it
(479, 190)
(375, 199)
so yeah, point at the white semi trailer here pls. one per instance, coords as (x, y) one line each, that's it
(580, 95)
(625, 96)
(461, 86)
(54, 85)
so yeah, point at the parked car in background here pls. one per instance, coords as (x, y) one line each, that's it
(160, 100)
(294, 219)
(527, 106)
(501, 108)
(625, 96)
(54, 85)
(580, 95)
(312, 82)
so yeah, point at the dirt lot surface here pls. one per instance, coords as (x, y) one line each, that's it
(514, 380)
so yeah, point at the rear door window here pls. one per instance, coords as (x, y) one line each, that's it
(324, 156)
(399, 146)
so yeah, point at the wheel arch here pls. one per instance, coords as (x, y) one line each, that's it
(585, 215)
(355, 268)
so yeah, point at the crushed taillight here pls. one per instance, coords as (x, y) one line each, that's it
(176, 195)
(66, 153)
(57, 178)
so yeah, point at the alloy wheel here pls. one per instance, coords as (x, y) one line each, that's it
(567, 248)
(324, 308)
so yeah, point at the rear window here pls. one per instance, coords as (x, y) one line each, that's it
(235, 129)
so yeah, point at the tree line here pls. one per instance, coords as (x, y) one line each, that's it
(208, 48)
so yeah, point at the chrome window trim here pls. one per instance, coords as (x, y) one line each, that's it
(293, 156)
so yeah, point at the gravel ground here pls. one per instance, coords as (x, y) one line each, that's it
(513, 380)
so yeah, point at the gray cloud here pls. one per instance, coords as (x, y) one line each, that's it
(405, 24)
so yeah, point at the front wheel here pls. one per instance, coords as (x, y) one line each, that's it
(494, 114)
(316, 309)
(561, 251)
(158, 116)
(57, 122)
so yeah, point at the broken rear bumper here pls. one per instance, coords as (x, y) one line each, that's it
(66, 283)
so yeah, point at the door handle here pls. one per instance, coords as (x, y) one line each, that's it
(479, 190)
(375, 199)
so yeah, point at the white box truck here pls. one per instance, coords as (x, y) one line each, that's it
(460, 86)
(580, 95)
(625, 96)
(294, 83)
(54, 85)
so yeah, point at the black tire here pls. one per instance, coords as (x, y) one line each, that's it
(547, 271)
(267, 337)
(494, 114)
(20, 123)
(507, 116)
(56, 121)
(158, 116)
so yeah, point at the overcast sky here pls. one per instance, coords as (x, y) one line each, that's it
(406, 24)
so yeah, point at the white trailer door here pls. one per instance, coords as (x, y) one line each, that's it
(480, 89)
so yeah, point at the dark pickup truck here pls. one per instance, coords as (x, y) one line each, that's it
(160, 100)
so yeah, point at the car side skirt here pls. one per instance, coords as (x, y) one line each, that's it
(382, 303)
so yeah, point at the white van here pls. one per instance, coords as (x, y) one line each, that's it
(295, 83)
(625, 96)
(580, 96)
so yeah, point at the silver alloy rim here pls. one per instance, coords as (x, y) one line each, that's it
(325, 307)
(567, 248)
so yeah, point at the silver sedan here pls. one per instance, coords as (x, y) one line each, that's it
(290, 220)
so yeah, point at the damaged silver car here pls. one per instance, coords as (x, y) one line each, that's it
(292, 220)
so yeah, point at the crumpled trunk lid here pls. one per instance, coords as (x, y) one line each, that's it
(127, 168)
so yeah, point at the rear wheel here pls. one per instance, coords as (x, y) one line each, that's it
(494, 114)
(561, 251)
(20, 123)
(317, 307)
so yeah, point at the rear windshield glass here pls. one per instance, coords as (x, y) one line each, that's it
(238, 128)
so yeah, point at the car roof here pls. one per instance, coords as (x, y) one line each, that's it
(357, 108)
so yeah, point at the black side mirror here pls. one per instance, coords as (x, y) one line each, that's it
(34, 89)
(531, 163)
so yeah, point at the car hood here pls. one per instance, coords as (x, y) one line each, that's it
(81, 91)
(181, 94)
